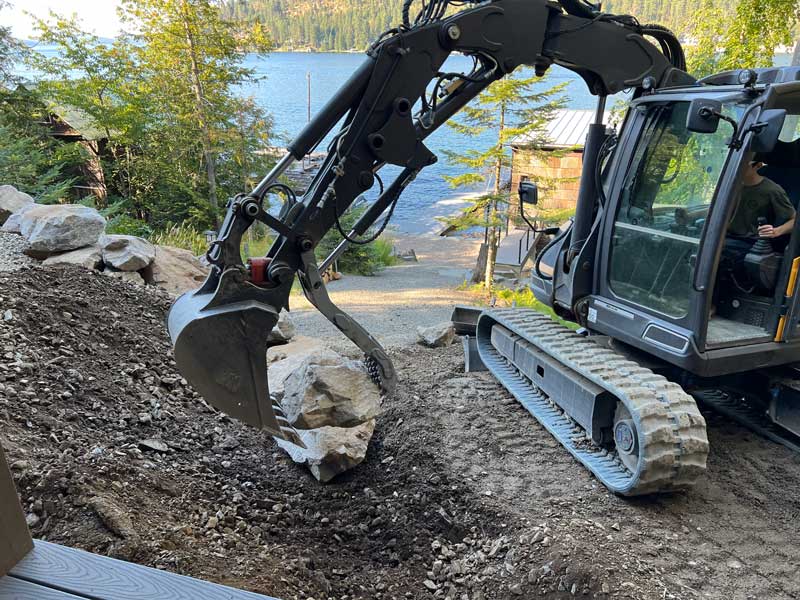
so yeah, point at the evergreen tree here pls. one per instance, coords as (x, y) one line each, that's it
(513, 109)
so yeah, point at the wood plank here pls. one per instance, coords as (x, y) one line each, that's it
(12, 588)
(103, 578)
(15, 541)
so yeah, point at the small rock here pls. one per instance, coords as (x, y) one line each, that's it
(8, 316)
(430, 585)
(437, 336)
(284, 331)
(154, 445)
(32, 519)
(129, 276)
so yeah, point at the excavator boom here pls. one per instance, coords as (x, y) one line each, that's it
(388, 108)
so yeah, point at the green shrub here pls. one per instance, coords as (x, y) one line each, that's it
(384, 250)
(358, 259)
(126, 225)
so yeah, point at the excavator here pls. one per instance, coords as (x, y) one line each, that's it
(662, 321)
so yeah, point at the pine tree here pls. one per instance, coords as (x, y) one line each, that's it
(513, 109)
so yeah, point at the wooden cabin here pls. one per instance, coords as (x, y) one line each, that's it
(565, 136)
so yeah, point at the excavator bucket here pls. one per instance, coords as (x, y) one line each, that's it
(221, 349)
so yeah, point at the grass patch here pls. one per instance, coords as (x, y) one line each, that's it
(181, 236)
(519, 298)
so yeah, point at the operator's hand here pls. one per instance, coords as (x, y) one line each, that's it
(767, 231)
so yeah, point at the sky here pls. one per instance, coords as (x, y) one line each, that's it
(98, 16)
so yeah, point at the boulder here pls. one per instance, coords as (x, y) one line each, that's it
(330, 451)
(127, 253)
(14, 222)
(283, 331)
(285, 360)
(60, 228)
(330, 400)
(89, 258)
(328, 390)
(12, 201)
(437, 336)
(175, 270)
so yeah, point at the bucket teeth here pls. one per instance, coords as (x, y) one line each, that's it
(290, 434)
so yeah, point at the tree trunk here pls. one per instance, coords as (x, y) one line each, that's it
(491, 259)
(200, 102)
(494, 237)
(796, 54)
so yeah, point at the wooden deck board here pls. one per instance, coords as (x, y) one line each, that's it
(12, 588)
(100, 578)
(15, 541)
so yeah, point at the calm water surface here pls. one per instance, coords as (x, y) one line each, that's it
(283, 92)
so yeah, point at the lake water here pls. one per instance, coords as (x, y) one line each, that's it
(283, 92)
(281, 88)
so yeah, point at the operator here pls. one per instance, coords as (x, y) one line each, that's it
(760, 197)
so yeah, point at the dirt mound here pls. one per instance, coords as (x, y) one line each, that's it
(462, 494)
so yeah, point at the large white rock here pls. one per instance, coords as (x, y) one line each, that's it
(436, 336)
(330, 391)
(12, 201)
(330, 451)
(285, 360)
(60, 228)
(14, 222)
(175, 270)
(127, 252)
(89, 258)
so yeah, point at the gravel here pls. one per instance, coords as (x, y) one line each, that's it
(11, 253)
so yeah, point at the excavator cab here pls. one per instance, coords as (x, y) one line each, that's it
(662, 281)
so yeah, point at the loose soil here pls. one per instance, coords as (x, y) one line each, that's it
(462, 494)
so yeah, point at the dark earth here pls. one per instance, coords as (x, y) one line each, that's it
(462, 495)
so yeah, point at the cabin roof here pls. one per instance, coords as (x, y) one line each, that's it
(567, 129)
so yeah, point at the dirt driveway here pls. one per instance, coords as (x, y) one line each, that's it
(394, 303)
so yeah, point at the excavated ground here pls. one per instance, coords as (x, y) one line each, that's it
(462, 494)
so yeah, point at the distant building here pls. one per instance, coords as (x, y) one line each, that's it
(70, 125)
(565, 136)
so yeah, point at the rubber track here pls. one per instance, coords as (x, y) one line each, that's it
(752, 418)
(672, 432)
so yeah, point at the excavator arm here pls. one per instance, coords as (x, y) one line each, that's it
(385, 112)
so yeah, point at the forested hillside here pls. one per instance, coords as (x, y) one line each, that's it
(352, 24)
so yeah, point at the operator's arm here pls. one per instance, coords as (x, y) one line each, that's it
(784, 212)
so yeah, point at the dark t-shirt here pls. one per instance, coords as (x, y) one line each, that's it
(766, 199)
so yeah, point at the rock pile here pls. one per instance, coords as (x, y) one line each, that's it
(333, 404)
(70, 234)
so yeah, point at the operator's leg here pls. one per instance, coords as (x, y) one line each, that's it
(731, 266)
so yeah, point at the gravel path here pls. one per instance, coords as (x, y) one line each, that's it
(11, 256)
(393, 304)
